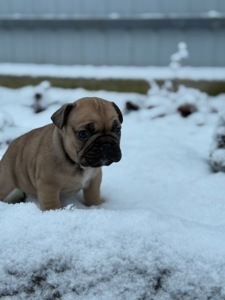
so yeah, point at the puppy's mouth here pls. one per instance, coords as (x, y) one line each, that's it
(103, 151)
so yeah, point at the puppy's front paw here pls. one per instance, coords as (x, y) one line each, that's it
(93, 202)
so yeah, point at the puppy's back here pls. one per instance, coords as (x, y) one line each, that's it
(19, 161)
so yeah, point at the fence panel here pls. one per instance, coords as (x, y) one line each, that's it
(128, 32)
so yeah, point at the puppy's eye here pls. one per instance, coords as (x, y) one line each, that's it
(83, 135)
(117, 130)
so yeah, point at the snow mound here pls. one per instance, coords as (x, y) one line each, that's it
(217, 153)
(188, 102)
(102, 254)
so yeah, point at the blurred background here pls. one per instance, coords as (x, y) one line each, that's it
(125, 33)
(106, 32)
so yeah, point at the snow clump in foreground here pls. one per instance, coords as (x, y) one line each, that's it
(217, 154)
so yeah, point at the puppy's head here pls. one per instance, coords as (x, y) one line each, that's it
(91, 130)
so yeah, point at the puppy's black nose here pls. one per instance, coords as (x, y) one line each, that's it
(105, 147)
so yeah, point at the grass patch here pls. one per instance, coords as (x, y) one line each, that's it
(140, 86)
(118, 85)
(212, 88)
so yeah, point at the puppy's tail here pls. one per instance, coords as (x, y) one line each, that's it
(16, 196)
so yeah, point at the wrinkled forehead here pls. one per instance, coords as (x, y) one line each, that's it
(100, 113)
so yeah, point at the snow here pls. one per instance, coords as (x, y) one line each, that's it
(102, 72)
(214, 14)
(178, 57)
(217, 153)
(160, 232)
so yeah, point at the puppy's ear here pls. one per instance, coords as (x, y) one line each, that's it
(59, 118)
(118, 112)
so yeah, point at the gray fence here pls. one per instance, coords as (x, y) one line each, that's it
(111, 32)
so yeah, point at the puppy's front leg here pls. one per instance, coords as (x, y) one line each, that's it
(48, 196)
(92, 191)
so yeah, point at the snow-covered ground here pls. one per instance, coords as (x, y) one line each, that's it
(160, 233)
(129, 72)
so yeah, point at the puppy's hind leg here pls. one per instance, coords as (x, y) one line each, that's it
(6, 187)
(16, 196)
(8, 193)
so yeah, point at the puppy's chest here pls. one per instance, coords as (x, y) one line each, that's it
(78, 180)
(87, 176)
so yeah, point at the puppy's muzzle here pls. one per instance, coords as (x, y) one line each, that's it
(102, 152)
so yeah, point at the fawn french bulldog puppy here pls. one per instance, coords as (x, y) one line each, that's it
(65, 156)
